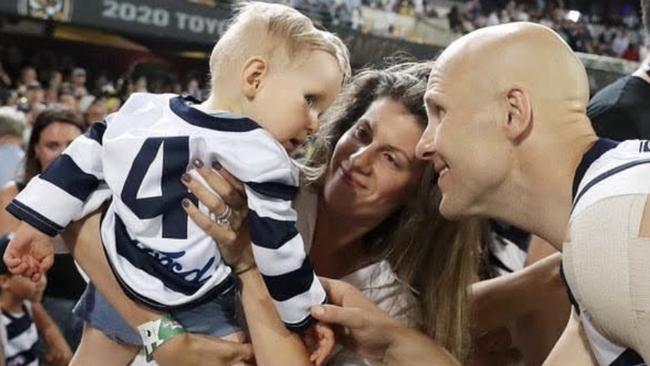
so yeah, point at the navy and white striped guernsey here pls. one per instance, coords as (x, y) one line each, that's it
(609, 169)
(158, 254)
(20, 338)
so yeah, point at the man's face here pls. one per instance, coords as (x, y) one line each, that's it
(463, 139)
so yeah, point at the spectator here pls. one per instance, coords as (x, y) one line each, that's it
(12, 126)
(34, 93)
(455, 23)
(78, 83)
(193, 89)
(53, 87)
(96, 112)
(25, 322)
(621, 43)
(632, 52)
(67, 100)
(53, 131)
(5, 80)
(28, 76)
(140, 85)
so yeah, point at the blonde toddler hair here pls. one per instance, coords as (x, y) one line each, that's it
(258, 28)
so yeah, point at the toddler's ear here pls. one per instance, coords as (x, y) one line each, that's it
(253, 73)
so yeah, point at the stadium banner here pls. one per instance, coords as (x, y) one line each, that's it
(169, 19)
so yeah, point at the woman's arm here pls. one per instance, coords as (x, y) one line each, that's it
(573, 347)
(267, 331)
(537, 332)
(59, 352)
(272, 342)
(499, 301)
(82, 237)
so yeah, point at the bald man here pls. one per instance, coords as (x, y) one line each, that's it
(509, 137)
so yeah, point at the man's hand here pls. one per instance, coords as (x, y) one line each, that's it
(30, 253)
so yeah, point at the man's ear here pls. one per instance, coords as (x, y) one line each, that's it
(252, 75)
(519, 114)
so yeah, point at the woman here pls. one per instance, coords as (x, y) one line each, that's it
(368, 210)
(363, 173)
(53, 131)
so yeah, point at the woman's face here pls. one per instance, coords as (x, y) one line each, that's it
(53, 140)
(373, 170)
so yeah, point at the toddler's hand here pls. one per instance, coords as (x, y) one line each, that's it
(30, 252)
(320, 342)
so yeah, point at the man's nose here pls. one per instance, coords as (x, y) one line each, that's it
(426, 146)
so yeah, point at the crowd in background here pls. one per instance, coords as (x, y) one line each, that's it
(46, 100)
(35, 83)
(31, 83)
(612, 32)
(616, 34)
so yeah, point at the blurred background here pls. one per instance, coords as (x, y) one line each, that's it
(81, 53)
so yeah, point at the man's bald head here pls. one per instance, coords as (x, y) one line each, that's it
(525, 55)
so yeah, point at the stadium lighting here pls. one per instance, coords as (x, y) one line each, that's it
(573, 15)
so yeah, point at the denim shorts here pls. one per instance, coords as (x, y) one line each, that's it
(216, 317)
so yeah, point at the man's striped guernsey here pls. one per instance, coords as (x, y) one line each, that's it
(159, 255)
(609, 169)
(20, 338)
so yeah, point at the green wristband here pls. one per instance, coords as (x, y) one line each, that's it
(156, 332)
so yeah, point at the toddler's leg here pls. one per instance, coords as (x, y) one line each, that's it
(238, 337)
(98, 350)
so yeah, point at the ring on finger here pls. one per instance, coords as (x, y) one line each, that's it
(224, 217)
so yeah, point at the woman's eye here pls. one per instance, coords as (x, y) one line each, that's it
(392, 160)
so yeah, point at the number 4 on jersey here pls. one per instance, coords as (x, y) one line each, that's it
(175, 161)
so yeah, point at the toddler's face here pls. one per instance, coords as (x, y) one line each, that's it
(291, 100)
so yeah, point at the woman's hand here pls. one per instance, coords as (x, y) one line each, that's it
(219, 191)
